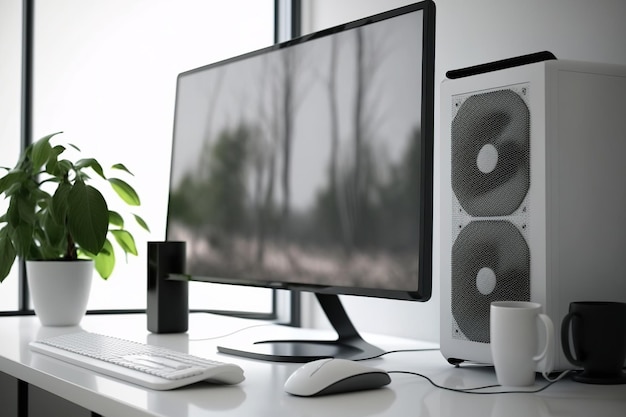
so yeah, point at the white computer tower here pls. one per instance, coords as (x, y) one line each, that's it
(533, 195)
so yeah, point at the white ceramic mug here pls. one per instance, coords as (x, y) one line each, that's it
(515, 327)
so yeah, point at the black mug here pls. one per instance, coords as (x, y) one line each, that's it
(598, 335)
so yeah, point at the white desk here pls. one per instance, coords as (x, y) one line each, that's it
(261, 394)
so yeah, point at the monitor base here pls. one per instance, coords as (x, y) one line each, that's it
(303, 350)
(349, 344)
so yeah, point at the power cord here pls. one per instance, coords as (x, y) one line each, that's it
(202, 339)
(477, 390)
(474, 390)
(396, 351)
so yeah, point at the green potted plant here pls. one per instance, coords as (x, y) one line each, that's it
(56, 218)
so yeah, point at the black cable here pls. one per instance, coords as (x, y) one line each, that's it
(474, 390)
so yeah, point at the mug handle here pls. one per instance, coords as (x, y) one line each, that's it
(565, 339)
(547, 354)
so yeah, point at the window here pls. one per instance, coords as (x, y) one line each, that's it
(10, 51)
(105, 74)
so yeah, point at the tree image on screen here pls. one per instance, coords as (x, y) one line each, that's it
(304, 163)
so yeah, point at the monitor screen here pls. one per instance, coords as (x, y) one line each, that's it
(308, 164)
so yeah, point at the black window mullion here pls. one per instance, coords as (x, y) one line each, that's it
(28, 7)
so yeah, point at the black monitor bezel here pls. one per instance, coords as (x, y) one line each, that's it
(424, 289)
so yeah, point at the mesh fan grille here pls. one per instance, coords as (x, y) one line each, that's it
(497, 245)
(499, 118)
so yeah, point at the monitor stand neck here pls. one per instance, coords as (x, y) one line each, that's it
(348, 345)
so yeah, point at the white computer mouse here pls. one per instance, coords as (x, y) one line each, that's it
(332, 376)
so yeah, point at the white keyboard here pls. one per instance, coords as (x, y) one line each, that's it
(146, 365)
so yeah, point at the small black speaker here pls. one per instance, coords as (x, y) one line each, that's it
(168, 300)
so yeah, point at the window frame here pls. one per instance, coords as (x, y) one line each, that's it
(287, 24)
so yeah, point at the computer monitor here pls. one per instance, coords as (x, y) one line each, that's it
(308, 166)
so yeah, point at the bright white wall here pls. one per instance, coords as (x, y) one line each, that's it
(470, 33)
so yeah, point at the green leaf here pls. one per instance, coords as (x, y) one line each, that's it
(91, 163)
(40, 196)
(21, 210)
(11, 179)
(23, 238)
(55, 233)
(74, 146)
(105, 261)
(88, 217)
(52, 166)
(115, 219)
(125, 191)
(122, 167)
(59, 203)
(63, 167)
(125, 240)
(48, 248)
(7, 254)
(141, 222)
(13, 212)
(41, 151)
(58, 149)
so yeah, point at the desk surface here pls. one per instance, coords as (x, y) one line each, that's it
(261, 394)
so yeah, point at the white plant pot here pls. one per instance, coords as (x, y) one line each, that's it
(59, 290)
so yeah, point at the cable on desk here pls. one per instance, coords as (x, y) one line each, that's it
(547, 377)
(396, 351)
(474, 390)
(477, 390)
(231, 333)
